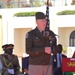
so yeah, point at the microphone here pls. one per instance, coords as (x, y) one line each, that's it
(56, 35)
(46, 33)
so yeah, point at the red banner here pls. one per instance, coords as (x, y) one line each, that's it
(68, 64)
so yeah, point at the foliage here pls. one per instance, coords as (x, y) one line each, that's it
(0, 16)
(64, 49)
(37, 3)
(66, 12)
(9, 4)
(22, 14)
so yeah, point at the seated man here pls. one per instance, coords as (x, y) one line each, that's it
(9, 61)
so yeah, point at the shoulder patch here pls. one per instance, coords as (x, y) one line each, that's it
(27, 35)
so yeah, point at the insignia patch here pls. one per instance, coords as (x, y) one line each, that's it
(27, 35)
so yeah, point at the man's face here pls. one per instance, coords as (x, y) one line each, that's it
(59, 49)
(41, 23)
(9, 51)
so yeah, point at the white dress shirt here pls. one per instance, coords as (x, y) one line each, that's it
(59, 59)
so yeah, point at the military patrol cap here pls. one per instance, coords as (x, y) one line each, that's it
(5, 46)
(8, 46)
(11, 46)
(40, 15)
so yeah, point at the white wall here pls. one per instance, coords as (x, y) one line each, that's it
(1, 37)
(9, 22)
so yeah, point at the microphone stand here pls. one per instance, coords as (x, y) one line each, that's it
(51, 56)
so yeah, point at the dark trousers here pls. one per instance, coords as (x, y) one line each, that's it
(57, 72)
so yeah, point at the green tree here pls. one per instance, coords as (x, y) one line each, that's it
(38, 3)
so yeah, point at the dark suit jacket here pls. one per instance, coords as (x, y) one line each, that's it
(55, 60)
(56, 70)
(25, 64)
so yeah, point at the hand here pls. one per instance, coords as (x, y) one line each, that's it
(25, 70)
(48, 50)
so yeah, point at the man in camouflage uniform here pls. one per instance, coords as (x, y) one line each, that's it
(10, 63)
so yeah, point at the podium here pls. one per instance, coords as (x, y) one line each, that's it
(68, 65)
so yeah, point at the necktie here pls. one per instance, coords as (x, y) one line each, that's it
(42, 32)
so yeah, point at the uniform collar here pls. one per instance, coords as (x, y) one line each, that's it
(39, 29)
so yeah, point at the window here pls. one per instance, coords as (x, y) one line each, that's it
(72, 39)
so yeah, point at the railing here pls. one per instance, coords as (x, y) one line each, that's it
(21, 4)
(32, 3)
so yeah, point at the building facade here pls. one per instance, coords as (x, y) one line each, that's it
(14, 29)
